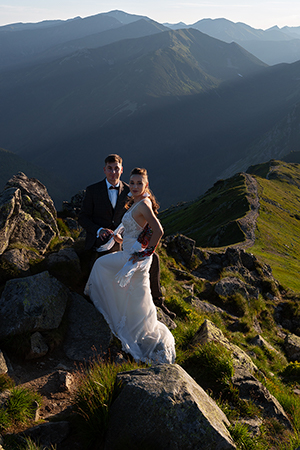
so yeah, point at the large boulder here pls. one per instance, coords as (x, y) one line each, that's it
(31, 304)
(162, 407)
(209, 332)
(88, 333)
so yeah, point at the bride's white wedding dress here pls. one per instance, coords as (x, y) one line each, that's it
(130, 311)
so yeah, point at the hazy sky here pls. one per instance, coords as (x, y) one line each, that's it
(256, 13)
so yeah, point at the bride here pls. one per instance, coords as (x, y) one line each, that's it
(119, 282)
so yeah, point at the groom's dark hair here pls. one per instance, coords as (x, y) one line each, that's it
(113, 158)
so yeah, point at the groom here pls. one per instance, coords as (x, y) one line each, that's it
(102, 210)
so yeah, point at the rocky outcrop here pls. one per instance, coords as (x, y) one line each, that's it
(162, 407)
(27, 222)
(251, 389)
(32, 304)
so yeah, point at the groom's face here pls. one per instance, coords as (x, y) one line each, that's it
(113, 172)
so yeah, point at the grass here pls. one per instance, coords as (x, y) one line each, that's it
(19, 408)
(211, 218)
(94, 395)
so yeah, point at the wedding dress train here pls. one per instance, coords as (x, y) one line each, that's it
(130, 311)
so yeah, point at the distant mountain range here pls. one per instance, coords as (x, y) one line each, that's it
(186, 105)
(273, 46)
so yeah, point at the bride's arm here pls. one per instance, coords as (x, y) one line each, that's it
(145, 212)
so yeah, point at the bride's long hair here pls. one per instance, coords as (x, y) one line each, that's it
(144, 174)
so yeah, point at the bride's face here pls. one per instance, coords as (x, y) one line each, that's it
(137, 185)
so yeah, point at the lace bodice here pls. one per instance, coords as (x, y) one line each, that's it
(132, 228)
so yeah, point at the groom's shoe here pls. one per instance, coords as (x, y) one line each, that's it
(160, 303)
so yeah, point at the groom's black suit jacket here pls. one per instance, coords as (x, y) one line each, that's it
(97, 211)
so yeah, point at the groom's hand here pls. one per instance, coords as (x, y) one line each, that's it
(105, 233)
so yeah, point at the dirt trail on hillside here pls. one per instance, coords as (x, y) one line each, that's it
(248, 222)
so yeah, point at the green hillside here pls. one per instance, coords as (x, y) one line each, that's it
(214, 219)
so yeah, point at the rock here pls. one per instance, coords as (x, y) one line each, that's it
(32, 233)
(4, 396)
(261, 342)
(38, 346)
(252, 389)
(74, 206)
(253, 425)
(209, 332)
(182, 246)
(88, 332)
(165, 319)
(27, 223)
(35, 198)
(162, 407)
(204, 306)
(48, 434)
(228, 286)
(10, 206)
(67, 257)
(66, 380)
(32, 304)
(292, 347)
(20, 259)
(3, 365)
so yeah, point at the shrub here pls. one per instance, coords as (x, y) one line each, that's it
(292, 371)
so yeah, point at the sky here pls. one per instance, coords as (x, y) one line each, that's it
(256, 13)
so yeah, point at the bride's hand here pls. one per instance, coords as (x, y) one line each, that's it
(118, 238)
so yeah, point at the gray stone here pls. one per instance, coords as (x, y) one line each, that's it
(50, 433)
(209, 332)
(230, 285)
(165, 319)
(35, 198)
(292, 347)
(31, 304)
(10, 206)
(162, 407)
(65, 256)
(261, 342)
(38, 346)
(88, 333)
(181, 246)
(21, 259)
(32, 233)
(3, 364)
(252, 389)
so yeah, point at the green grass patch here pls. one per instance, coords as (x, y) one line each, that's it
(212, 219)
(19, 408)
(95, 394)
